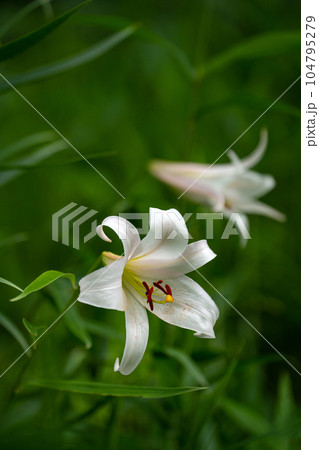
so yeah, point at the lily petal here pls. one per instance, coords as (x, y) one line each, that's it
(125, 231)
(255, 207)
(249, 184)
(136, 322)
(194, 256)
(103, 288)
(258, 153)
(166, 240)
(192, 307)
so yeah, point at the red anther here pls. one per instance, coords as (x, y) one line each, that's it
(160, 287)
(149, 294)
(149, 298)
(168, 289)
(146, 287)
(160, 281)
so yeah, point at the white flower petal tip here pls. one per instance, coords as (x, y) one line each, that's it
(116, 365)
(101, 234)
(151, 277)
(205, 336)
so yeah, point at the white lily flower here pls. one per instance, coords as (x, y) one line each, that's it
(227, 188)
(151, 276)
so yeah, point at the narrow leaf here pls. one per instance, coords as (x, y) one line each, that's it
(188, 363)
(14, 331)
(21, 14)
(38, 155)
(42, 281)
(25, 143)
(144, 33)
(34, 330)
(13, 48)
(102, 389)
(2, 280)
(12, 240)
(83, 57)
(247, 417)
(264, 45)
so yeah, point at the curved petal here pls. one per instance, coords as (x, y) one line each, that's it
(235, 160)
(192, 307)
(254, 207)
(136, 322)
(166, 240)
(125, 231)
(258, 153)
(103, 288)
(194, 256)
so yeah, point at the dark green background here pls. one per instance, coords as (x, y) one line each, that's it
(136, 103)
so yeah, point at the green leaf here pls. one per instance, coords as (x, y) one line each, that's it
(247, 418)
(18, 46)
(10, 169)
(261, 46)
(83, 57)
(247, 101)
(285, 408)
(188, 363)
(12, 240)
(25, 143)
(21, 14)
(102, 389)
(2, 280)
(14, 331)
(144, 33)
(42, 281)
(37, 156)
(33, 329)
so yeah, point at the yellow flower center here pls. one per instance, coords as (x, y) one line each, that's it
(129, 277)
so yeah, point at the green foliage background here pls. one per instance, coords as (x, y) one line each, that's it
(181, 83)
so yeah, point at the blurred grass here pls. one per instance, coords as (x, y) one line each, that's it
(137, 102)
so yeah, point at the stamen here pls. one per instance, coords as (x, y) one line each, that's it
(159, 286)
(150, 290)
(146, 287)
(168, 289)
(149, 298)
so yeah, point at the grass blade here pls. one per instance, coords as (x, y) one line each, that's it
(4, 281)
(102, 389)
(83, 57)
(14, 331)
(21, 14)
(21, 44)
(144, 33)
(264, 45)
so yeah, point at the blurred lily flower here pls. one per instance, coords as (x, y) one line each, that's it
(227, 188)
(150, 275)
